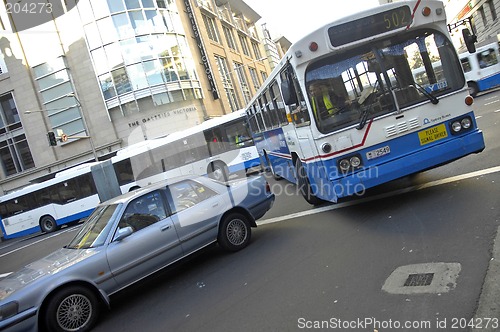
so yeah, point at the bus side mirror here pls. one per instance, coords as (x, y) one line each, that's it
(288, 92)
(470, 40)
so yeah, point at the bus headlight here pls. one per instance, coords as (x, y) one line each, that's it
(355, 161)
(460, 125)
(349, 163)
(456, 126)
(466, 123)
(344, 165)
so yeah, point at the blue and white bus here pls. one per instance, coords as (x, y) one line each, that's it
(482, 69)
(220, 148)
(342, 112)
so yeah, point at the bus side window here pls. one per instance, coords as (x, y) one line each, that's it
(293, 97)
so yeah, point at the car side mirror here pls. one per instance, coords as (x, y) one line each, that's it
(123, 233)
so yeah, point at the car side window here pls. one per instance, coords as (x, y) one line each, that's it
(144, 211)
(188, 193)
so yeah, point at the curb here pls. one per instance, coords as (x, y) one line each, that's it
(488, 310)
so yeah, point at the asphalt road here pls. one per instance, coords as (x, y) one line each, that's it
(334, 266)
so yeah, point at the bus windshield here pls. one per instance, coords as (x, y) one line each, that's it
(390, 75)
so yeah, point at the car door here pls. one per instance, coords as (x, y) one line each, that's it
(196, 210)
(152, 245)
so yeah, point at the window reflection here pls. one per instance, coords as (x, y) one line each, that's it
(115, 5)
(122, 82)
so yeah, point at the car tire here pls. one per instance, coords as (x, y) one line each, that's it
(234, 232)
(48, 224)
(74, 308)
(305, 185)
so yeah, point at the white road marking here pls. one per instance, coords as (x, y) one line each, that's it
(5, 275)
(45, 238)
(380, 196)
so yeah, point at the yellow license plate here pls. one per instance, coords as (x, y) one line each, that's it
(433, 134)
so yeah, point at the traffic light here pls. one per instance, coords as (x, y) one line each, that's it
(52, 138)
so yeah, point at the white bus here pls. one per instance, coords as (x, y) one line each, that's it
(219, 148)
(482, 69)
(342, 112)
(66, 198)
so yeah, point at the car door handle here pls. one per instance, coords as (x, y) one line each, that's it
(215, 205)
(164, 228)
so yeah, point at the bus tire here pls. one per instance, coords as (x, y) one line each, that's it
(218, 171)
(271, 169)
(305, 185)
(74, 308)
(48, 224)
(473, 88)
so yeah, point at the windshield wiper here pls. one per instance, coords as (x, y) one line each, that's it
(426, 93)
(364, 118)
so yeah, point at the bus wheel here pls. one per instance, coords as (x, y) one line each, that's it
(218, 172)
(473, 88)
(305, 185)
(48, 224)
(271, 169)
(75, 308)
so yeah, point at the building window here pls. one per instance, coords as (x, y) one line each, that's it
(483, 16)
(15, 155)
(211, 28)
(227, 82)
(256, 50)
(493, 11)
(228, 32)
(255, 78)
(3, 66)
(240, 72)
(263, 74)
(244, 44)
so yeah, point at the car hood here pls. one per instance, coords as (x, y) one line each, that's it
(49, 265)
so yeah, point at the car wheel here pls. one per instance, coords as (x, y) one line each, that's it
(48, 224)
(305, 185)
(234, 232)
(73, 308)
(218, 171)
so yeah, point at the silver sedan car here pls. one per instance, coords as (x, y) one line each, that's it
(124, 240)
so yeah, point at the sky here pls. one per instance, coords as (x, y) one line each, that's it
(296, 18)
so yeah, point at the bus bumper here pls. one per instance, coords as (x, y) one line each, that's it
(419, 161)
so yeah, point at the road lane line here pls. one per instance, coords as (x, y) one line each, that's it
(45, 238)
(380, 196)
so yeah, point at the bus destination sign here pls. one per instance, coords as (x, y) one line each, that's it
(369, 26)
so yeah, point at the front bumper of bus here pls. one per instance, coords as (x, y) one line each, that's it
(419, 161)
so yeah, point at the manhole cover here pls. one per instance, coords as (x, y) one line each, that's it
(423, 278)
(419, 279)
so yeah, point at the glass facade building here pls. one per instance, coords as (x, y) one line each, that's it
(139, 50)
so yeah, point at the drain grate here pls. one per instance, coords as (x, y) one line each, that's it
(419, 279)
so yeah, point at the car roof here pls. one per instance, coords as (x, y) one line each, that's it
(127, 197)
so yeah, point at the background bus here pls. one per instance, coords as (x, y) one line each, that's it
(356, 116)
(482, 69)
(66, 198)
(220, 148)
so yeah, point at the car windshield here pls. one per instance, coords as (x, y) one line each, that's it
(374, 79)
(96, 229)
